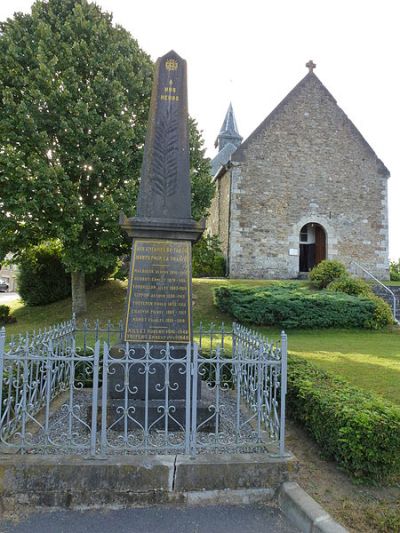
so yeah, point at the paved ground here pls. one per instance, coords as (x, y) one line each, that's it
(7, 297)
(161, 519)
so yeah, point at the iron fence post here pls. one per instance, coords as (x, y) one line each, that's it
(2, 353)
(93, 433)
(187, 394)
(103, 437)
(194, 373)
(283, 393)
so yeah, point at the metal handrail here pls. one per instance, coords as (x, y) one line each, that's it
(383, 285)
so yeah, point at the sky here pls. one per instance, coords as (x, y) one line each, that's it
(253, 53)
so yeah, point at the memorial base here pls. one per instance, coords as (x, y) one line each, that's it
(155, 415)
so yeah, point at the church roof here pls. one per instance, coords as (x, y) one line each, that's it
(239, 154)
(229, 130)
(222, 158)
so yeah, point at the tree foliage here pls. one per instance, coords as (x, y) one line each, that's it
(207, 258)
(395, 270)
(74, 101)
(200, 173)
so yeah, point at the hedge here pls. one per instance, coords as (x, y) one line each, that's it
(358, 429)
(290, 306)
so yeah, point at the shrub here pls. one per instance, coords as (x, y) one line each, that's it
(207, 258)
(291, 306)
(382, 314)
(359, 430)
(42, 278)
(325, 272)
(5, 317)
(395, 270)
(352, 286)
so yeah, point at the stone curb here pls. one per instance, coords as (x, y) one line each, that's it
(304, 512)
(72, 481)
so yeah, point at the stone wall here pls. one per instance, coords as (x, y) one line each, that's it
(307, 163)
(218, 221)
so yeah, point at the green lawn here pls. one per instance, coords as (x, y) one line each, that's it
(369, 359)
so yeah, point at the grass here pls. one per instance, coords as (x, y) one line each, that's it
(369, 359)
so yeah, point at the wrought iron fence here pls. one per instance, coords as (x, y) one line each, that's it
(74, 389)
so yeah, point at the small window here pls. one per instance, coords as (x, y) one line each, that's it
(303, 234)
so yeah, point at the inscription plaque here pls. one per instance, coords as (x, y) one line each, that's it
(159, 292)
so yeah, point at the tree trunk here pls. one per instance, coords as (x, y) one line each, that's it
(78, 293)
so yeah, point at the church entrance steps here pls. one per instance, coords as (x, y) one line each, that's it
(385, 295)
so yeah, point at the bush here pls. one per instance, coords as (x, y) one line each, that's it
(382, 315)
(395, 270)
(352, 286)
(291, 306)
(207, 258)
(42, 278)
(5, 317)
(325, 272)
(359, 430)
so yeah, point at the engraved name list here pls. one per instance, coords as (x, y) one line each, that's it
(159, 295)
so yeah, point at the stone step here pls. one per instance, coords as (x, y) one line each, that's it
(385, 295)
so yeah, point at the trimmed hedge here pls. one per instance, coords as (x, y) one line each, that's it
(290, 306)
(359, 430)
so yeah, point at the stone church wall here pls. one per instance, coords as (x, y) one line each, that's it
(308, 165)
(218, 221)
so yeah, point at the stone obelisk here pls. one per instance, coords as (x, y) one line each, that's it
(159, 299)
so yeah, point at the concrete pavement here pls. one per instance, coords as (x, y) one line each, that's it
(7, 297)
(158, 519)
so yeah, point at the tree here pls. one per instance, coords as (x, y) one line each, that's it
(200, 173)
(74, 100)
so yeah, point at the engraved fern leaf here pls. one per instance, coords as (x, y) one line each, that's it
(165, 154)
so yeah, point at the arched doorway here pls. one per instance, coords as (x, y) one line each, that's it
(312, 246)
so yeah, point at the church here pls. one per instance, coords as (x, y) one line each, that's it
(303, 187)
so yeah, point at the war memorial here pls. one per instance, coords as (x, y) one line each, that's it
(152, 409)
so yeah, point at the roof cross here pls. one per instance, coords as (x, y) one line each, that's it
(311, 65)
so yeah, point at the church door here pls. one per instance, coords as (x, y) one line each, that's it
(312, 246)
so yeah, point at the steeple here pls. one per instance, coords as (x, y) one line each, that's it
(229, 131)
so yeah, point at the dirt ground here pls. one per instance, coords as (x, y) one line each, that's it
(359, 508)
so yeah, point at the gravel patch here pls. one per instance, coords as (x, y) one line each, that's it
(69, 431)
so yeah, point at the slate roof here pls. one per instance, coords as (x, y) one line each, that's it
(229, 131)
(239, 154)
(222, 157)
